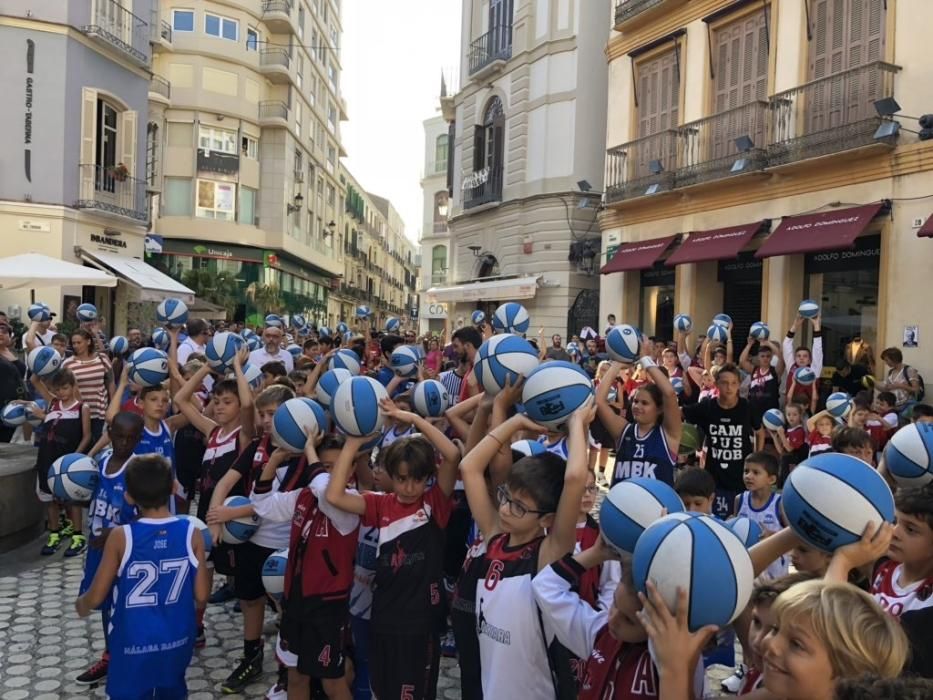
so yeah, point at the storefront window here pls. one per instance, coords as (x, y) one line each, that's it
(657, 301)
(216, 200)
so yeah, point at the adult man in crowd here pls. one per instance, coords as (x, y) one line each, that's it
(556, 351)
(271, 350)
(198, 335)
(592, 357)
(466, 342)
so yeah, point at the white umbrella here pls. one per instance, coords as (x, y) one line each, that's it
(35, 270)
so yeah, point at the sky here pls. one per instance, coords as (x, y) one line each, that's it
(392, 56)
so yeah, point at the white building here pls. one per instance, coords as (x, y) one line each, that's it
(435, 241)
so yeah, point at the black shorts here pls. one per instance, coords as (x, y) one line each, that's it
(223, 556)
(248, 559)
(404, 665)
(317, 634)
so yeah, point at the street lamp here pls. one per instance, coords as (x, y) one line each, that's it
(296, 205)
(475, 249)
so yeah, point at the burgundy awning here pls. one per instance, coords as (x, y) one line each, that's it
(718, 244)
(637, 255)
(831, 230)
(927, 229)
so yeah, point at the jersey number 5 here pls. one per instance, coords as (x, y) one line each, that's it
(147, 572)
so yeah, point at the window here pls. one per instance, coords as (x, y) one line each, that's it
(659, 94)
(252, 39)
(216, 200)
(247, 212)
(221, 27)
(440, 154)
(314, 44)
(183, 20)
(332, 118)
(106, 156)
(180, 134)
(176, 196)
(301, 22)
(212, 139)
(312, 89)
(299, 169)
(488, 157)
(298, 116)
(331, 196)
(152, 152)
(331, 158)
(300, 73)
(438, 264)
(249, 147)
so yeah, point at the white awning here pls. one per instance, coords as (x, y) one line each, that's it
(35, 270)
(493, 290)
(153, 284)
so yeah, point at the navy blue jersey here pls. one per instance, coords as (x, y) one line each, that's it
(648, 456)
(157, 443)
(152, 625)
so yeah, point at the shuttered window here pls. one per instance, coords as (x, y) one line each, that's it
(846, 34)
(658, 94)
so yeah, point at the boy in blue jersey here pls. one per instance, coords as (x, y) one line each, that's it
(156, 572)
(109, 508)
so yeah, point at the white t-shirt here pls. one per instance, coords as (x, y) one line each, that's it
(186, 349)
(260, 357)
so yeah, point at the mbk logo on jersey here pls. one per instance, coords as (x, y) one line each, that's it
(631, 468)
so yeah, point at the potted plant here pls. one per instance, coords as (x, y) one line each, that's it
(118, 172)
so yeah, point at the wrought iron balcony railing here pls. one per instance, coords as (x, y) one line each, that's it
(487, 189)
(629, 166)
(111, 189)
(494, 45)
(116, 26)
(626, 9)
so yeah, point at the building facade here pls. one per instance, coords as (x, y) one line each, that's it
(76, 132)
(435, 239)
(755, 158)
(527, 132)
(243, 149)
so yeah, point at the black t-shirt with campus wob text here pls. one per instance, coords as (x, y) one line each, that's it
(729, 440)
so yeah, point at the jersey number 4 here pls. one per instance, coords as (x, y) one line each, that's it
(148, 573)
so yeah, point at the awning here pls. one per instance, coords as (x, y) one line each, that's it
(831, 230)
(153, 284)
(510, 289)
(718, 244)
(637, 255)
(32, 270)
(927, 229)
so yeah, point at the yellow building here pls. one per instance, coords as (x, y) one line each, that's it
(758, 154)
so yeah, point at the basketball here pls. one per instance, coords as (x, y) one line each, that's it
(273, 572)
(73, 477)
(247, 333)
(701, 556)
(31, 417)
(294, 420)
(504, 357)
(511, 317)
(348, 336)
(363, 311)
(804, 376)
(148, 367)
(678, 385)
(119, 345)
(161, 340)
(773, 419)
(393, 325)
(623, 344)
(717, 334)
(293, 350)
(328, 383)
(201, 527)
(430, 399)
(355, 406)
(830, 498)
(760, 331)
(253, 342)
(683, 323)
(631, 506)
(808, 308)
(573, 348)
(43, 360)
(273, 321)
(908, 455)
(343, 328)
(299, 322)
(323, 332)
(87, 312)
(722, 320)
(404, 361)
(13, 414)
(39, 312)
(346, 359)
(172, 312)
(690, 439)
(838, 404)
(554, 390)
(221, 349)
(477, 317)
(253, 375)
(528, 448)
(745, 529)
(239, 530)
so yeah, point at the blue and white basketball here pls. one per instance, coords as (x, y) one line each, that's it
(342, 328)
(722, 320)
(31, 416)
(43, 360)
(247, 333)
(554, 390)
(623, 343)
(201, 527)
(511, 317)
(328, 383)
(830, 498)
(253, 375)
(161, 340)
(683, 323)
(804, 376)
(760, 331)
(119, 345)
(430, 398)
(773, 419)
(838, 404)
(631, 506)
(678, 385)
(253, 342)
(363, 311)
(39, 312)
(701, 556)
(745, 529)
(346, 359)
(477, 317)
(528, 448)
(221, 349)
(273, 321)
(808, 308)
(294, 420)
(73, 477)
(908, 456)
(239, 530)
(148, 367)
(273, 572)
(293, 350)
(573, 348)
(299, 322)
(347, 337)
(504, 357)
(404, 361)
(717, 334)
(355, 406)
(172, 312)
(13, 414)
(323, 332)
(393, 325)
(87, 312)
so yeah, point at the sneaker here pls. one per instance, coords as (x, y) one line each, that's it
(222, 595)
(448, 645)
(52, 544)
(280, 690)
(200, 640)
(67, 527)
(247, 671)
(96, 673)
(77, 546)
(237, 608)
(733, 684)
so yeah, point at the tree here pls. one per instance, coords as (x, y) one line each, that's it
(266, 297)
(218, 288)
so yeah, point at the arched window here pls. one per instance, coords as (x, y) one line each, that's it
(438, 264)
(440, 154)
(485, 184)
(441, 208)
(487, 266)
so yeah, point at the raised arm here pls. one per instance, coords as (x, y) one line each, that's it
(776, 351)
(744, 362)
(336, 493)
(812, 420)
(614, 422)
(816, 354)
(247, 414)
(673, 416)
(113, 407)
(457, 415)
(447, 473)
(184, 403)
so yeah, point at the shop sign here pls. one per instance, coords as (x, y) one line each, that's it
(864, 255)
(107, 239)
(658, 276)
(435, 310)
(611, 251)
(174, 246)
(745, 268)
(279, 262)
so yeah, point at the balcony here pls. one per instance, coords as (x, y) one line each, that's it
(273, 113)
(482, 187)
(629, 166)
(119, 29)
(108, 190)
(274, 64)
(627, 9)
(160, 89)
(277, 14)
(491, 51)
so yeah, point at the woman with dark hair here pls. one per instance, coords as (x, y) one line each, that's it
(900, 379)
(94, 374)
(12, 373)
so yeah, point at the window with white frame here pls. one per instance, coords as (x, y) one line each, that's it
(331, 158)
(298, 116)
(252, 39)
(213, 139)
(332, 117)
(221, 27)
(301, 22)
(314, 44)
(249, 147)
(312, 89)
(247, 212)
(183, 20)
(300, 73)
(216, 200)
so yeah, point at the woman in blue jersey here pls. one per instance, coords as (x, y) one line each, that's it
(647, 446)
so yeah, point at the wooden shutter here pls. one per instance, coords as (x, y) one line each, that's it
(498, 153)
(658, 94)
(128, 141)
(88, 155)
(846, 34)
(479, 148)
(451, 152)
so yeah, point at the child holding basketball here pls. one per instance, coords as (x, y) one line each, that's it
(152, 635)
(791, 442)
(761, 503)
(820, 428)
